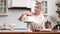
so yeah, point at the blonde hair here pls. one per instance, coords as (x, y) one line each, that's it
(37, 2)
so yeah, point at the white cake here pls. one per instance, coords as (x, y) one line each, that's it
(29, 19)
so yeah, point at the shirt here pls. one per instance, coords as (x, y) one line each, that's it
(39, 20)
(36, 19)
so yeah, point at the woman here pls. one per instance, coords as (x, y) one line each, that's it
(38, 17)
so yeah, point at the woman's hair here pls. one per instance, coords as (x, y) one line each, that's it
(37, 2)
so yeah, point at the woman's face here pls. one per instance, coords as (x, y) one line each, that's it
(37, 8)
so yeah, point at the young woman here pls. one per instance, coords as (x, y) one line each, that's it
(38, 17)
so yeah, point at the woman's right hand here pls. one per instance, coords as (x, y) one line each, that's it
(24, 14)
(27, 14)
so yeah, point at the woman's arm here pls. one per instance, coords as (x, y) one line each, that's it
(26, 14)
(20, 18)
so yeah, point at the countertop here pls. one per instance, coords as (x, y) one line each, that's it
(14, 31)
(29, 32)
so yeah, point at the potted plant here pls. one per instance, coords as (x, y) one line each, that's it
(57, 27)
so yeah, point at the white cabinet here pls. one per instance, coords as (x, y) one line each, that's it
(19, 3)
(3, 7)
(44, 7)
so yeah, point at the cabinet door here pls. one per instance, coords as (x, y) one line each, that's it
(19, 3)
(3, 7)
(44, 7)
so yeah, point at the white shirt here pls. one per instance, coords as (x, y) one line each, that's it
(36, 19)
(39, 20)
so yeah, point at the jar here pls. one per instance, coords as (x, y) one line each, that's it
(47, 24)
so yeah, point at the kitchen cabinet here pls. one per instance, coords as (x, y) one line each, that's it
(20, 3)
(44, 7)
(3, 7)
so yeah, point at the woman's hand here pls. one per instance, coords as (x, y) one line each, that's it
(27, 14)
(24, 14)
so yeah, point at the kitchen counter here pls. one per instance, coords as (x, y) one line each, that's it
(29, 32)
(14, 31)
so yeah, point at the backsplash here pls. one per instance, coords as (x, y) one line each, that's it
(12, 17)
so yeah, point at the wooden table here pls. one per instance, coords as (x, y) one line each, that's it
(29, 32)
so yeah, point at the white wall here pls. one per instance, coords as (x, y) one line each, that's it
(52, 8)
(12, 17)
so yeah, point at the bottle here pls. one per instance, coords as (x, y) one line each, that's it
(47, 24)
